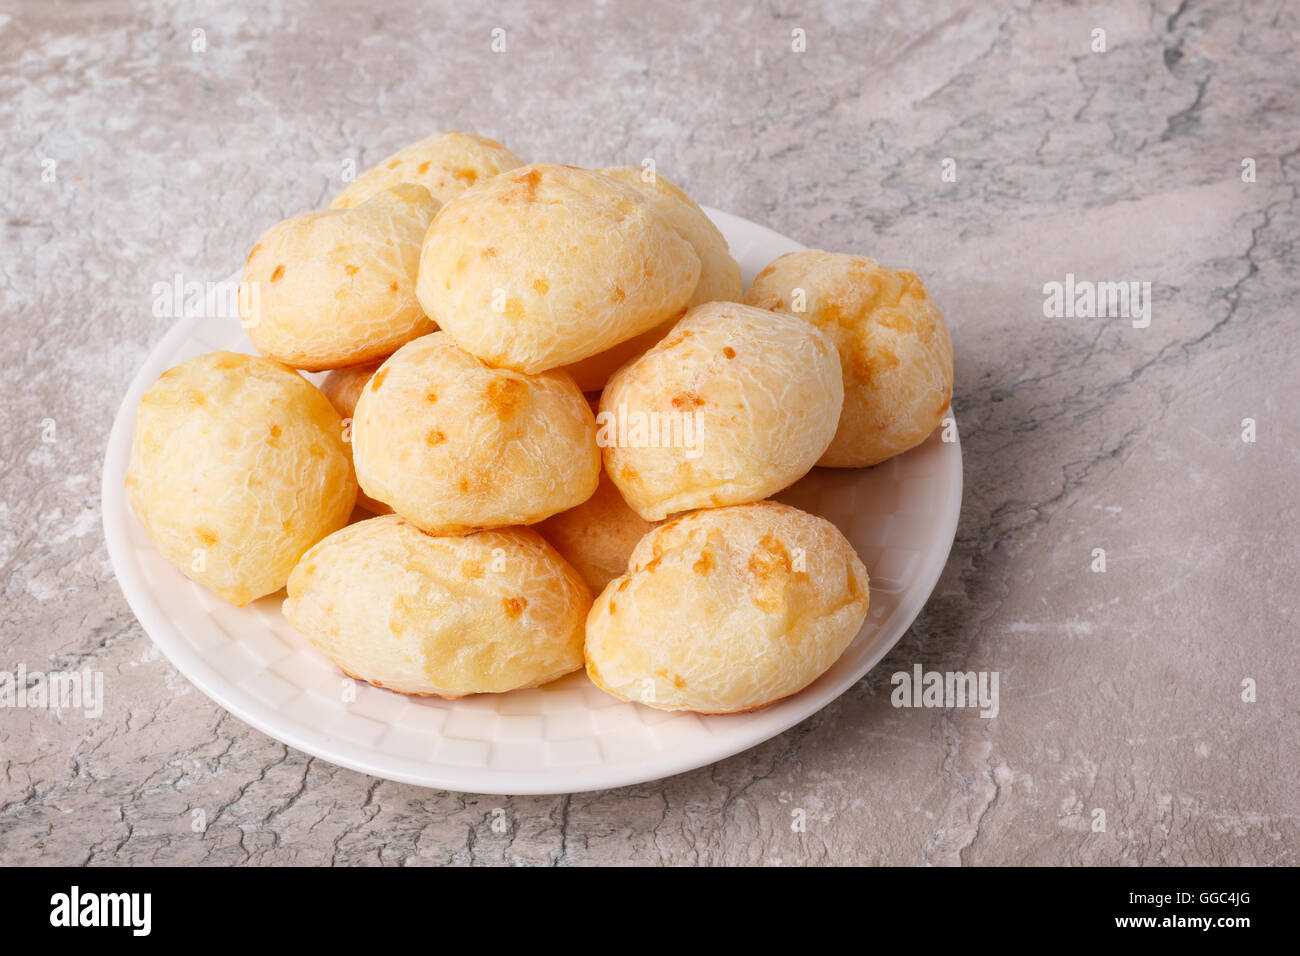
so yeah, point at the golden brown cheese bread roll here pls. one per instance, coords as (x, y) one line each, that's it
(597, 537)
(719, 273)
(893, 343)
(237, 467)
(446, 164)
(337, 287)
(343, 387)
(478, 614)
(456, 445)
(546, 265)
(727, 610)
(734, 405)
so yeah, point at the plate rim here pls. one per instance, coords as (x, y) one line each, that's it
(433, 775)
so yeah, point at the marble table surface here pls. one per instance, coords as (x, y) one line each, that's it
(1161, 692)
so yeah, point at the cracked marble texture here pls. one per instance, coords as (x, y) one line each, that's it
(1120, 691)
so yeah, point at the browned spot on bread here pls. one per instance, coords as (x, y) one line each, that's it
(530, 181)
(253, 252)
(675, 679)
(378, 379)
(463, 485)
(505, 396)
(729, 352)
(278, 274)
(541, 286)
(770, 567)
(766, 272)
(435, 437)
(226, 361)
(515, 606)
(704, 563)
(465, 173)
(686, 401)
(274, 433)
(618, 294)
(195, 397)
(471, 570)
(422, 168)
(206, 535)
(898, 319)
(430, 396)
(392, 287)
(351, 270)
(394, 164)
(489, 252)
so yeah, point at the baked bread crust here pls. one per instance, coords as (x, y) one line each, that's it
(336, 287)
(446, 164)
(546, 265)
(727, 610)
(418, 614)
(895, 352)
(238, 466)
(457, 446)
(762, 391)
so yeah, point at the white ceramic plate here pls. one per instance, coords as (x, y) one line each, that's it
(568, 736)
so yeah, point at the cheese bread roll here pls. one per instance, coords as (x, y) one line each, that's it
(727, 610)
(336, 287)
(237, 467)
(894, 348)
(456, 445)
(546, 265)
(477, 614)
(734, 405)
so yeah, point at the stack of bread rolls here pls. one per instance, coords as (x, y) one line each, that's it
(559, 417)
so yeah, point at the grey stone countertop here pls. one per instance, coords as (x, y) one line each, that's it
(1148, 713)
